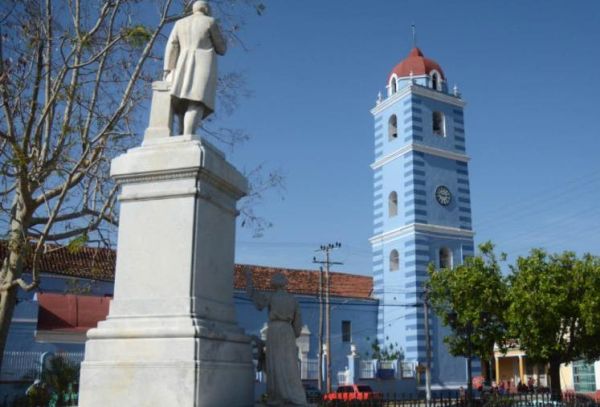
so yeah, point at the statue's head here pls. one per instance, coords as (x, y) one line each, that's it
(201, 7)
(279, 281)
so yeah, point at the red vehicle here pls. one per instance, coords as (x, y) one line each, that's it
(352, 392)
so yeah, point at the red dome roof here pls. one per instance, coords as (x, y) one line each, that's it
(417, 64)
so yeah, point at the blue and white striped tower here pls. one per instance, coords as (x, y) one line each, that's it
(422, 207)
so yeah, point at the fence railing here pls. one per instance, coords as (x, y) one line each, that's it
(309, 369)
(458, 399)
(25, 366)
(367, 369)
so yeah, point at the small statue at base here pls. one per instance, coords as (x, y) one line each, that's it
(191, 66)
(284, 385)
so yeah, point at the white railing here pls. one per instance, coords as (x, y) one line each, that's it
(367, 369)
(343, 378)
(19, 365)
(309, 369)
(407, 370)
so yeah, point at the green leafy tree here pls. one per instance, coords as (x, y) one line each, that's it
(555, 309)
(61, 375)
(471, 298)
(74, 76)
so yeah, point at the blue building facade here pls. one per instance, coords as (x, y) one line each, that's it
(422, 211)
(353, 319)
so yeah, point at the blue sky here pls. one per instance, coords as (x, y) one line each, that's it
(527, 69)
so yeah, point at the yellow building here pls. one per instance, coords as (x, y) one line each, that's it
(513, 368)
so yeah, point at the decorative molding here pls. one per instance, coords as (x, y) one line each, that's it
(52, 336)
(421, 148)
(154, 176)
(392, 156)
(421, 91)
(437, 95)
(419, 227)
(176, 193)
(400, 93)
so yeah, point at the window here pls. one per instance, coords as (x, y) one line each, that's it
(392, 127)
(584, 376)
(346, 331)
(393, 204)
(445, 258)
(394, 260)
(435, 80)
(393, 85)
(439, 125)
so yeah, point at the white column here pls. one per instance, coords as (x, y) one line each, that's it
(353, 365)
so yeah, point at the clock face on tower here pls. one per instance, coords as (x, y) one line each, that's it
(443, 195)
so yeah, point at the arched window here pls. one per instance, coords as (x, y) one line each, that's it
(445, 258)
(435, 81)
(394, 260)
(393, 204)
(393, 85)
(392, 127)
(438, 124)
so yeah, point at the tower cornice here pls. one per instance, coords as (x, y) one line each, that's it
(423, 228)
(421, 91)
(422, 148)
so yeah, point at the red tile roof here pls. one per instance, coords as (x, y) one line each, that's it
(416, 63)
(99, 264)
(70, 313)
(85, 262)
(306, 281)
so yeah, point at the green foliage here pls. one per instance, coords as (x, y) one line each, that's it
(555, 306)
(381, 352)
(77, 287)
(476, 292)
(77, 244)
(137, 36)
(62, 376)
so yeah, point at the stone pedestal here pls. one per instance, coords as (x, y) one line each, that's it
(171, 337)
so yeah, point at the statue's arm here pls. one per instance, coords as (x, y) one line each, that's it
(259, 299)
(171, 51)
(297, 322)
(218, 41)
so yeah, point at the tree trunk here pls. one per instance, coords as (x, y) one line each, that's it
(12, 269)
(485, 371)
(8, 298)
(555, 378)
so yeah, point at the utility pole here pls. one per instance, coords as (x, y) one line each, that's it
(320, 350)
(427, 349)
(327, 262)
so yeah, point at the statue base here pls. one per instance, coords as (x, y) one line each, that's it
(171, 337)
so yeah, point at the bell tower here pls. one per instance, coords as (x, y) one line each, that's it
(422, 205)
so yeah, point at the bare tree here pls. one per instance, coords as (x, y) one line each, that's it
(73, 76)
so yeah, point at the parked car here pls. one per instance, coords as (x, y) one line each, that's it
(353, 392)
(313, 395)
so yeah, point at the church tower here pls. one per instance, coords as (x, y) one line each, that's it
(422, 206)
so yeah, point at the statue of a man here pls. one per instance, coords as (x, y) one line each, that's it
(284, 385)
(191, 66)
